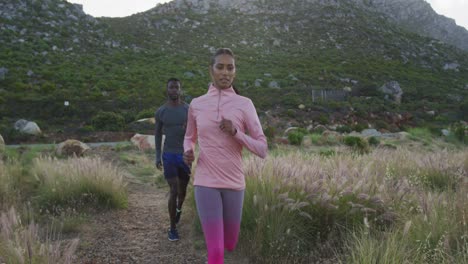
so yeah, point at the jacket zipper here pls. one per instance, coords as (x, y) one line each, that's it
(219, 100)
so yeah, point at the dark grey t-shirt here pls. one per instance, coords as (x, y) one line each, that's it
(172, 122)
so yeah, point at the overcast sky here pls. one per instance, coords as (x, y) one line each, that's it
(456, 9)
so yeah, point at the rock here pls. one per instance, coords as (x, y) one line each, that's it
(30, 73)
(144, 142)
(2, 143)
(20, 124)
(451, 66)
(371, 133)
(3, 73)
(27, 127)
(31, 128)
(319, 129)
(445, 132)
(72, 147)
(151, 120)
(393, 90)
(431, 113)
(347, 89)
(402, 135)
(289, 129)
(274, 85)
(301, 106)
(258, 82)
(189, 74)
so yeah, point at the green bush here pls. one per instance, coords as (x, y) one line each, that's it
(108, 121)
(344, 129)
(358, 144)
(295, 137)
(323, 119)
(373, 141)
(359, 127)
(146, 113)
(380, 124)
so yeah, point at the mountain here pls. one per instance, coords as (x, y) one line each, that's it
(287, 51)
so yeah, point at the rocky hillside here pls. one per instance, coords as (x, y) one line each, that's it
(290, 53)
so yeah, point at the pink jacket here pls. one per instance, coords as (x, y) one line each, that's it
(220, 155)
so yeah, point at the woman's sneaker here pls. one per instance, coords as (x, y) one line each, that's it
(172, 234)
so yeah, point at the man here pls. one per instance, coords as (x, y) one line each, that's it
(171, 120)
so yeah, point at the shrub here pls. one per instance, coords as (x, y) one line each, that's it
(358, 144)
(343, 129)
(420, 134)
(146, 113)
(359, 127)
(323, 119)
(380, 124)
(295, 137)
(78, 183)
(108, 121)
(269, 132)
(373, 141)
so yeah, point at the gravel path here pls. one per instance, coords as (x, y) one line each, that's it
(138, 234)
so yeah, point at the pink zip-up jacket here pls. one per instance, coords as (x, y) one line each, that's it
(220, 155)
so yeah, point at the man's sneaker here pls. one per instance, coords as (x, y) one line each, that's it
(172, 234)
(177, 215)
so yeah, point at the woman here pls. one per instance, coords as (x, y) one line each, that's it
(219, 120)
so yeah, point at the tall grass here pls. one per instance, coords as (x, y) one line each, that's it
(301, 208)
(78, 183)
(20, 243)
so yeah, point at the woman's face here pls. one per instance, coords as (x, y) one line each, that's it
(223, 71)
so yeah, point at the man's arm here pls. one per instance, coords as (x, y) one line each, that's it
(158, 137)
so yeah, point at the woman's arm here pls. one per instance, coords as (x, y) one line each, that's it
(256, 141)
(191, 132)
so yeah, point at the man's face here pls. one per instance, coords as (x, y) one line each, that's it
(173, 90)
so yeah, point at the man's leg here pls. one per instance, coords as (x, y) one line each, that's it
(170, 173)
(172, 202)
(183, 181)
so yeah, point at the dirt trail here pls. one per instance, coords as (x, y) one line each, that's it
(138, 234)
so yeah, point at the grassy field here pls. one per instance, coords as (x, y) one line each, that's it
(325, 201)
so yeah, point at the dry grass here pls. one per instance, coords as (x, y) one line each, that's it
(301, 207)
(79, 183)
(21, 243)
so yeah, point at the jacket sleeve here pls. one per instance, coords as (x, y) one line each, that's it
(191, 132)
(158, 135)
(256, 141)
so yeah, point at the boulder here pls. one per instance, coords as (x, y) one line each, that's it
(392, 90)
(371, 133)
(3, 73)
(72, 147)
(445, 132)
(27, 127)
(274, 85)
(145, 142)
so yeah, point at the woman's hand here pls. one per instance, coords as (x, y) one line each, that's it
(227, 127)
(189, 157)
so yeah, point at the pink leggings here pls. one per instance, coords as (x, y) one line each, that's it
(220, 212)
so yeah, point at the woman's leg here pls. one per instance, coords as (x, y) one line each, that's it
(210, 211)
(232, 214)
